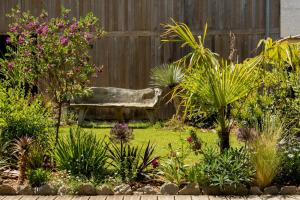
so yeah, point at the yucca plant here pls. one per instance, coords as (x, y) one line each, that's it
(21, 149)
(81, 154)
(166, 75)
(209, 84)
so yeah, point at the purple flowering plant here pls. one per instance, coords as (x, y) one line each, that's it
(121, 132)
(52, 54)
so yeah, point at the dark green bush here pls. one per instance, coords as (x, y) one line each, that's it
(38, 177)
(131, 162)
(81, 154)
(290, 168)
(231, 168)
(22, 115)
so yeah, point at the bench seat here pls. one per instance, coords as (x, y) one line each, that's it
(118, 99)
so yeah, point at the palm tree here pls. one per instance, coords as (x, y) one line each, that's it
(209, 84)
(21, 148)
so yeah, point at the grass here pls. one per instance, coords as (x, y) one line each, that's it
(161, 137)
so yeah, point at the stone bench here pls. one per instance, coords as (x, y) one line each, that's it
(118, 99)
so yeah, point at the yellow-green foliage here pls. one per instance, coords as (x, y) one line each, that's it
(266, 157)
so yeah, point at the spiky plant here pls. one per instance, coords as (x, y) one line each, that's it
(21, 149)
(166, 75)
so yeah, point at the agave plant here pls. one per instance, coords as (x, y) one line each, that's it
(166, 75)
(209, 84)
(21, 148)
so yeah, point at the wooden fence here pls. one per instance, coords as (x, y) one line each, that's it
(132, 46)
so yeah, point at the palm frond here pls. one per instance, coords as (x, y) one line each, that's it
(166, 75)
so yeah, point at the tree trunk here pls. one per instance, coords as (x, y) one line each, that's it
(225, 130)
(58, 122)
(224, 141)
(22, 170)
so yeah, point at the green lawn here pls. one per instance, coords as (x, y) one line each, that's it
(161, 137)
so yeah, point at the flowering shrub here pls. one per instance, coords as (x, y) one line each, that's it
(290, 169)
(51, 54)
(121, 132)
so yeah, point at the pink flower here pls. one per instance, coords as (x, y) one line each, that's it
(21, 39)
(13, 29)
(10, 66)
(88, 37)
(189, 140)
(43, 30)
(64, 41)
(39, 47)
(27, 53)
(30, 25)
(8, 40)
(73, 27)
(154, 163)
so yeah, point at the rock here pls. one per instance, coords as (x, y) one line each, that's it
(7, 190)
(288, 190)
(64, 190)
(190, 189)
(136, 193)
(272, 190)
(255, 191)
(147, 190)
(298, 190)
(46, 189)
(11, 174)
(123, 189)
(240, 190)
(87, 189)
(211, 190)
(104, 190)
(25, 190)
(169, 189)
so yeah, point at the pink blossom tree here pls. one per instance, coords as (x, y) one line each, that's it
(51, 54)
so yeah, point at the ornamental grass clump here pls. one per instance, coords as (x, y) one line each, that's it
(81, 154)
(266, 157)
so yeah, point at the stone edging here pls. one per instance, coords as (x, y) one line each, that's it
(165, 189)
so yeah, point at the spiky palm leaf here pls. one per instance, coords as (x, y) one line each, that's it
(166, 75)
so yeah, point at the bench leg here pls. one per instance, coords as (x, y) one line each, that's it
(151, 115)
(120, 115)
(81, 115)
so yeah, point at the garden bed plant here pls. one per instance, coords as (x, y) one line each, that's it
(258, 98)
